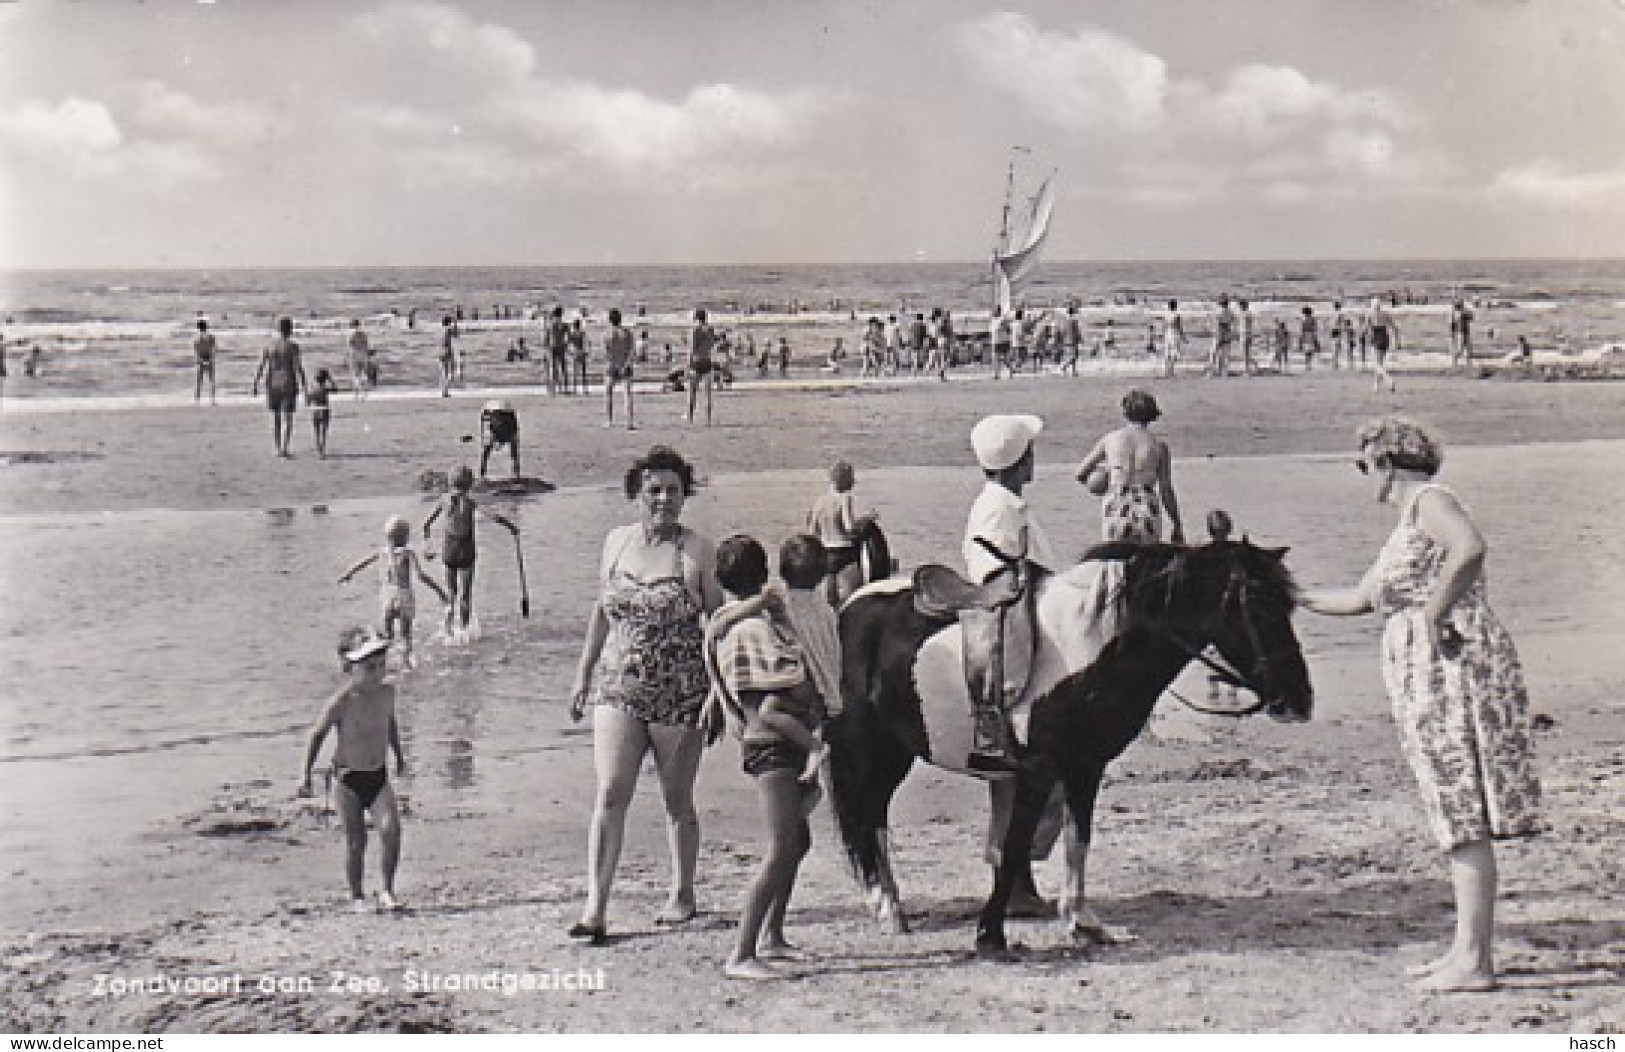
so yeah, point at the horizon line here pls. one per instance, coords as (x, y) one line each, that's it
(8, 269)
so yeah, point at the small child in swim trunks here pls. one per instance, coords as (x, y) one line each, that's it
(363, 713)
(458, 551)
(321, 415)
(764, 684)
(398, 565)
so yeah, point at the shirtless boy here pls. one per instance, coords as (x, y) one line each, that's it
(203, 349)
(363, 713)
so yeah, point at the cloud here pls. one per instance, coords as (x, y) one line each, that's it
(230, 124)
(79, 138)
(451, 39)
(72, 131)
(1268, 102)
(1079, 80)
(1547, 182)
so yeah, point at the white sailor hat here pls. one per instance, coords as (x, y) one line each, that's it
(1000, 440)
(499, 405)
(365, 644)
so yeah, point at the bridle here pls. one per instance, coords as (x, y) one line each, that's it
(1238, 591)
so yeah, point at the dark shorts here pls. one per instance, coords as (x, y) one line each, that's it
(762, 757)
(282, 399)
(366, 785)
(321, 415)
(702, 367)
(623, 373)
(841, 558)
(458, 552)
(1379, 339)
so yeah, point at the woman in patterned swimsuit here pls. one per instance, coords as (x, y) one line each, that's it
(642, 671)
(1454, 680)
(1133, 471)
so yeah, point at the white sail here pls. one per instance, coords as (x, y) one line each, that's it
(1017, 256)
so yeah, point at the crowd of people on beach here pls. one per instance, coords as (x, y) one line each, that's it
(687, 639)
(1234, 340)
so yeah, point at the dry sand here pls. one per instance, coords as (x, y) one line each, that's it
(1279, 878)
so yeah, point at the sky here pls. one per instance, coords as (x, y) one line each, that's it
(700, 132)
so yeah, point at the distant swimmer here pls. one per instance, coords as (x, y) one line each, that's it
(283, 371)
(203, 350)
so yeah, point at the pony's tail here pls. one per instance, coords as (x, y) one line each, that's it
(851, 737)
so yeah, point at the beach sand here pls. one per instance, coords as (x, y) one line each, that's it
(165, 566)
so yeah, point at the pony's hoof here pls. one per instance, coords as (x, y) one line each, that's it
(1102, 935)
(995, 952)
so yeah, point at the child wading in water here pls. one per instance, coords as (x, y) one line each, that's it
(397, 566)
(762, 678)
(458, 551)
(321, 415)
(363, 713)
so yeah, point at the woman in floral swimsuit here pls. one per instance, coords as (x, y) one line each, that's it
(642, 671)
(1454, 680)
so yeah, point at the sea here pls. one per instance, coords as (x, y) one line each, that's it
(128, 333)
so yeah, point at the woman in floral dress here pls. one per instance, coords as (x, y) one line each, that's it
(1455, 682)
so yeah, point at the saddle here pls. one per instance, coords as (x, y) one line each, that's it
(940, 592)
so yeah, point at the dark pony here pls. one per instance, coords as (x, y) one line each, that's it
(1225, 604)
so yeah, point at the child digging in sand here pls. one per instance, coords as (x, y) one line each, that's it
(763, 681)
(458, 551)
(398, 565)
(363, 713)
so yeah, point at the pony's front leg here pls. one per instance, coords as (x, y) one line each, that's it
(1082, 924)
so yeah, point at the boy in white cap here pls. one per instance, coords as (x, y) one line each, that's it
(998, 642)
(363, 713)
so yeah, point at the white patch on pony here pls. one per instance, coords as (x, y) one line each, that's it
(1075, 620)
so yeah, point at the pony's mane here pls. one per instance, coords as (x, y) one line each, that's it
(1155, 576)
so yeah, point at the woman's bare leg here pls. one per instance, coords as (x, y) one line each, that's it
(677, 760)
(618, 744)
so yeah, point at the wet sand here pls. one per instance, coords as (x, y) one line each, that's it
(1279, 877)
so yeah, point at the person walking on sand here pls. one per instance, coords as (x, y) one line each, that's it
(556, 338)
(942, 345)
(1246, 321)
(618, 369)
(1454, 681)
(578, 355)
(1309, 338)
(1173, 338)
(1224, 338)
(459, 552)
(642, 673)
(1131, 470)
(1461, 334)
(203, 350)
(762, 679)
(701, 364)
(448, 354)
(360, 357)
(363, 714)
(398, 566)
(321, 413)
(1382, 334)
(284, 374)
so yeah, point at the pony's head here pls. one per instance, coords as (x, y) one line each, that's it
(1234, 597)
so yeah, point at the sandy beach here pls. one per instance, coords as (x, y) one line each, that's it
(168, 638)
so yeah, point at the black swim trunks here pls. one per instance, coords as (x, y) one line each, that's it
(702, 366)
(282, 399)
(762, 757)
(366, 785)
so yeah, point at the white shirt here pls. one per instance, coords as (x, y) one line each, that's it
(1003, 519)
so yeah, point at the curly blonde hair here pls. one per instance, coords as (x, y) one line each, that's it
(1401, 442)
